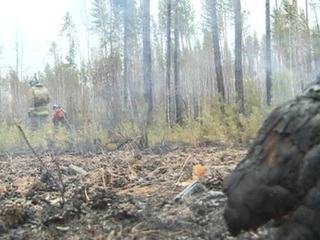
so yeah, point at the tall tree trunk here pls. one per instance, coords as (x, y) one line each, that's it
(217, 55)
(316, 67)
(316, 16)
(297, 43)
(238, 56)
(147, 60)
(268, 53)
(168, 66)
(176, 67)
(309, 64)
(125, 57)
(111, 29)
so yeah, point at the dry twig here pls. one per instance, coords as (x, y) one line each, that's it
(181, 171)
(43, 166)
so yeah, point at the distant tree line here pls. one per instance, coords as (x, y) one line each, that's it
(162, 69)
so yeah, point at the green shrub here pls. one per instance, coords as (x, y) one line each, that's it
(285, 85)
(189, 133)
(218, 122)
(11, 139)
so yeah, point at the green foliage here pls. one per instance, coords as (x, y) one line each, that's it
(189, 133)
(251, 124)
(219, 122)
(285, 85)
(99, 13)
(222, 122)
(68, 26)
(62, 138)
(157, 134)
(256, 112)
(186, 15)
(107, 18)
(225, 12)
(69, 30)
(216, 124)
(253, 99)
(315, 39)
(11, 139)
(186, 18)
(252, 46)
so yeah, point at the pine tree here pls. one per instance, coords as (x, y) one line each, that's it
(268, 53)
(216, 47)
(238, 56)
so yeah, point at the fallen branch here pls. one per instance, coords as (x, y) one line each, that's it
(32, 149)
(181, 171)
(62, 188)
(43, 166)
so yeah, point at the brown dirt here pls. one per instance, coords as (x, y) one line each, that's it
(125, 195)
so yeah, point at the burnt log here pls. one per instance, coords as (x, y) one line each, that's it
(279, 178)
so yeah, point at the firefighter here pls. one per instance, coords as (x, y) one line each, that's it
(38, 98)
(59, 116)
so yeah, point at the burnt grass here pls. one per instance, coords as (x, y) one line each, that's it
(125, 194)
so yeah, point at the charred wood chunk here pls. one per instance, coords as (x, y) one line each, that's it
(310, 171)
(280, 176)
(304, 222)
(254, 203)
(292, 230)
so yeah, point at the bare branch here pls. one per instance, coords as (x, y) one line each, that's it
(47, 172)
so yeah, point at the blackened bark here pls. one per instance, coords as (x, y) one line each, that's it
(279, 176)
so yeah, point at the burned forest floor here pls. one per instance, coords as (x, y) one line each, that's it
(125, 194)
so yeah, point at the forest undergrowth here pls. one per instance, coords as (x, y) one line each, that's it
(218, 124)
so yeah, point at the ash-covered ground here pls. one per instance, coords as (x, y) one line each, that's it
(125, 194)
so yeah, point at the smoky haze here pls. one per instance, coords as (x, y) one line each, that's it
(94, 59)
(35, 24)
